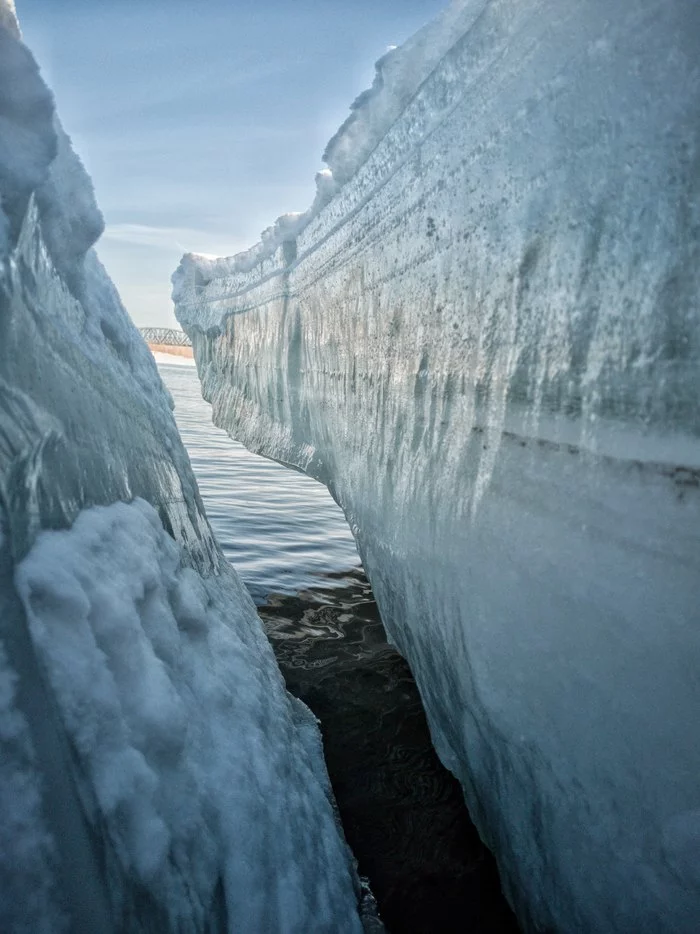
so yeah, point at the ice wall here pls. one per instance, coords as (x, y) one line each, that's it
(154, 773)
(487, 345)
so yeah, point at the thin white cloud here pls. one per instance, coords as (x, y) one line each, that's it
(182, 239)
(163, 237)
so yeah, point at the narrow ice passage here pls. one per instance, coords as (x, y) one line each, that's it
(403, 814)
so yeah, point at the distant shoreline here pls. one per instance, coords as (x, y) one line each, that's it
(171, 350)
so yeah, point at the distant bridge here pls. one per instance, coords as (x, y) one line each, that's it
(165, 337)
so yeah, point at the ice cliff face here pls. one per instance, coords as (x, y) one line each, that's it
(154, 773)
(487, 345)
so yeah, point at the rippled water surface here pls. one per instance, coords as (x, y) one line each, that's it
(403, 813)
(280, 529)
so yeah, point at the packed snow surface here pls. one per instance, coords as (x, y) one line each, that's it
(154, 772)
(486, 342)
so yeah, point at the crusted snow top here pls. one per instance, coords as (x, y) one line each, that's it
(399, 74)
(41, 177)
(8, 16)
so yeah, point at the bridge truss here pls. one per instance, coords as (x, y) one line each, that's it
(167, 336)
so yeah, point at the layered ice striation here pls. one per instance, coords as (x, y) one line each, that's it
(487, 345)
(154, 773)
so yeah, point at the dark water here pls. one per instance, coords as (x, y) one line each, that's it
(403, 813)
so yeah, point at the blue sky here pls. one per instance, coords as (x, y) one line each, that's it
(201, 122)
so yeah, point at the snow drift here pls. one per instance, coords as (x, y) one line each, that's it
(487, 345)
(154, 773)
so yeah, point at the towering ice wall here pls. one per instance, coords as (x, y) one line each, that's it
(154, 773)
(485, 339)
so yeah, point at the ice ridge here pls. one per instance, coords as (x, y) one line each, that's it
(487, 345)
(154, 772)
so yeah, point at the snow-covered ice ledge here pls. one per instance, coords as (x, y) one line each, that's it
(154, 773)
(487, 345)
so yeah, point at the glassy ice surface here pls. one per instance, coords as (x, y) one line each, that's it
(280, 529)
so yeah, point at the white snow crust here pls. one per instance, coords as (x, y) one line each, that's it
(487, 345)
(154, 772)
(198, 763)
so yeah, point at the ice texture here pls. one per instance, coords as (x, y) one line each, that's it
(154, 772)
(487, 345)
